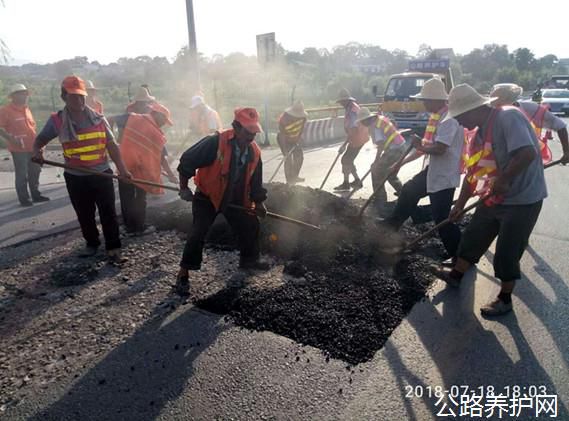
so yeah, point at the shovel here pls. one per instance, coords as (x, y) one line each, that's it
(333, 164)
(447, 221)
(369, 171)
(285, 158)
(150, 183)
(389, 174)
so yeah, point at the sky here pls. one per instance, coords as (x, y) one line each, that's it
(45, 31)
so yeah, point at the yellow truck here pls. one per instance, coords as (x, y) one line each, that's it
(397, 103)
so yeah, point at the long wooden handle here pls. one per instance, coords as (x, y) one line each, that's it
(285, 158)
(137, 181)
(446, 222)
(104, 174)
(464, 211)
(552, 163)
(333, 165)
(277, 216)
(389, 174)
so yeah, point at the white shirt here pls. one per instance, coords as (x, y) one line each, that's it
(444, 170)
(212, 123)
(550, 120)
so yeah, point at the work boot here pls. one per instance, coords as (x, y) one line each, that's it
(40, 198)
(88, 251)
(115, 256)
(496, 308)
(449, 263)
(299, 180)
(356, 184)
(344, 186)
(255, 265)
(26, 203)
(182, 286)
(445, 276)
(147, 230)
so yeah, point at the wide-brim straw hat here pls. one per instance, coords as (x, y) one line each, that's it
(506, 93)
(433, 89)
(142, 95)
(345, 95)
(18, 87)
(363, 114)
(297, 110)
(464, 98)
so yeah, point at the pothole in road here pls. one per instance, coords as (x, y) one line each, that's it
(335, 291)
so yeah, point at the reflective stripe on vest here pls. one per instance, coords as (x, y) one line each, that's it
(90, 147)
(537, 122)
(434, 120)
(383, 123)
(212, 180)
(481, 168)
(295, 128)
(141, 150)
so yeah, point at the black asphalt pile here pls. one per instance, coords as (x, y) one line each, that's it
(337, 290)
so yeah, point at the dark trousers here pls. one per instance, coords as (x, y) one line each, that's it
(27, 174)
(88, 192)
(294, 162)
(441, 203)
(246, 227)
(512, 225)
(380, 169)
(133, 206)
(348, 159)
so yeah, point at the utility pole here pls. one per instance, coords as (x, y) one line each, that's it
(193, 49)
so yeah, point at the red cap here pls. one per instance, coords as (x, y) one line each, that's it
(74, 85)
(248, 118)
(159, 108)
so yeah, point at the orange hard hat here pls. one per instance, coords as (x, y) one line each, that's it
(74, 85)
(248, 118)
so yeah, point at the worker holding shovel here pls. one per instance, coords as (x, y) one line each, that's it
(510, 155)
(86, 137)
(289, 138)
(228, 171)
(442, 148)
(390, 145)
(357, 137)
(144, 154)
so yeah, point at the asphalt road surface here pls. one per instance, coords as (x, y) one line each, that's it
(443, 351)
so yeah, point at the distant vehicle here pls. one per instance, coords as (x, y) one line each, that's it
(556, 99)
(397, 104)
(557, 82)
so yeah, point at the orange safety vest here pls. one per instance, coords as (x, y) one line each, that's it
(481, 167)
(212, 180)
(390, 131)
(90, 148)
(537, 121)
(357, 136)
(19, 122)
(199, 121)
(291, 127)
(141, 150)
(133, 107)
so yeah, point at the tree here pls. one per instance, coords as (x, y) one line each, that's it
(524, 59)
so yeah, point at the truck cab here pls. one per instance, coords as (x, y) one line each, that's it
(398, 104)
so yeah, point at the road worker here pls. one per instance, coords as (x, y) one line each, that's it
(92, 99)
(289, 138)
